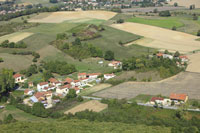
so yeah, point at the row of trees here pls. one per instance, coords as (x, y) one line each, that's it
(59, 67)
(28, 12)
(166, 67)
(121, 111)
(7, 82)
(7, 44)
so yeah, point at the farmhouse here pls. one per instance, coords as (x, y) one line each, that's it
(183, 58)
(63, 90)
(179, 97)
(28, 92)
(77, 90)
(82, 75)
(115, 64)
(109, 76)
(30, 84)
(19, 78)
(42, 85)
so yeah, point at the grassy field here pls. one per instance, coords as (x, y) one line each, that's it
(161, 22)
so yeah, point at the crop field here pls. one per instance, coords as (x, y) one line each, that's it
(15, 37)
(194, 64)
(151, 9)
(161, 38)
(58, 17)
(162, 22)
(93, 105)
(186, 3)
(185, 82)
(15, 62)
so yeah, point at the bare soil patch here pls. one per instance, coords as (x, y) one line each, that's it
(15, 37)
(161, 38)
(185, 82)
(58, 17)
(186, 3)
(93, 105)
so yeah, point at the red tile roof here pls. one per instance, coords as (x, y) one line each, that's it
(69, 80)
(159, 54)
(53, 80)
(66, 86)
(182, 57)
(43, 83)
(26, 91)
(110, 74)
(178, 96)
(153, 99)
(91, 74)
(76, 88)
(17, 75)
(82, 74)
(76, 81)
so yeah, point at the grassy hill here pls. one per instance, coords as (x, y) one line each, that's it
(80, 126)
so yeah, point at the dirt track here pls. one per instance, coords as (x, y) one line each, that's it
(93, 105)
(58, 17)
(161, 38)
(185, 82)
(186, 3)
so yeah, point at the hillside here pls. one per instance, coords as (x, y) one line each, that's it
(79, 126)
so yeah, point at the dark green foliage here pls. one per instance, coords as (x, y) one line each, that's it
(118, 10)
(164, 13)
(7, 82)
(30, 71)
(8, 119)
(174, 28)
(119, 21)
(79, 98)
(39, 110)
(1, 59)
(61, 36)
(62, 68)
(175, 4)
(71, 94)
(195, 17)
(198, 33)
(7, 44)
(109, 55)
(47, 75)
(176, 54)
(53, 1)
(165, 67)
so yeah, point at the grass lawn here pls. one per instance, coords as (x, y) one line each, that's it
(162, 22)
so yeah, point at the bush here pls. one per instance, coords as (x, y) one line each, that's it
(165, 13)
(198, 33)
(174, 28)
(8, 119)
(80, 99)
(119, 21)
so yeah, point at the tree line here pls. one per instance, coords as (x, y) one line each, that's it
(7, 44)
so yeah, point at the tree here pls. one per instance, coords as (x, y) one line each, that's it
(166, 52)
(198, 33)
(71, 94)
(165, 13)
(174, 28)
(39, 110)
(8, 119)
(155, 10)
(109, 55)
(195, 17)
(80, 99)
(177, 54)
(175, 4)
(77, 42)
(53, 1)
(47, 75)
(119, 21)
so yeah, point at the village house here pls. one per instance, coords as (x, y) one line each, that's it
(93, 75)
(109, 76)
(158, 100)
(179, 97)
(63, 90)
(28, 92)
(82, 75)
(42, 85)
(183, 58)
(165, 56)
(30, 84)
(84, 82)
(19, 78)
(77, 90)
(115, 64)
(41, 96)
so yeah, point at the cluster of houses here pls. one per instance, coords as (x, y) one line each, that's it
(45, 91)
(174, 99)
(183, 59)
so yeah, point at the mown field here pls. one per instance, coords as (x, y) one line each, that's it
(160, 22)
